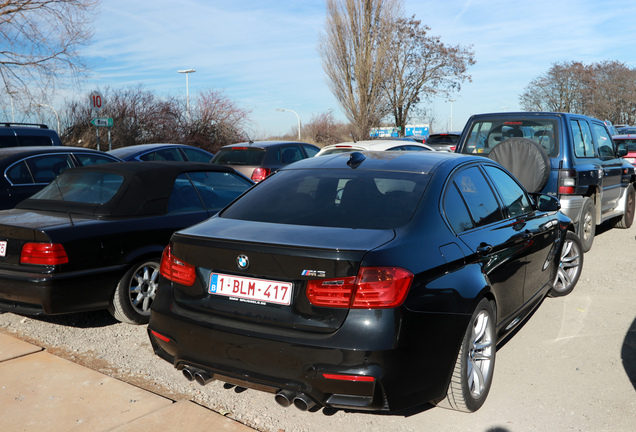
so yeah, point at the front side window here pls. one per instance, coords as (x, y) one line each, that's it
(513, 196)
(603, 142)
(45, 168)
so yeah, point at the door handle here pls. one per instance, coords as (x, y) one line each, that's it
(484, 249)
(527, 235)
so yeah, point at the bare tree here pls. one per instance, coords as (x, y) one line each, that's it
(422, 67)
(354, 50)
(322, 129)
(605, 90)
(40, 41)
(140, 117)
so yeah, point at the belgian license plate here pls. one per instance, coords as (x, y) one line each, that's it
(251, 290)
(3, 248)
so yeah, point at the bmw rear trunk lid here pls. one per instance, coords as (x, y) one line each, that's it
(265, 268)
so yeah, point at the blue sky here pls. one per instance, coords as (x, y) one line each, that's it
(263, 55)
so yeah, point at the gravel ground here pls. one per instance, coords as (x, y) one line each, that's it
(572, 367)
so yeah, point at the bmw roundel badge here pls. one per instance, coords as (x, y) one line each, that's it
(242, 262)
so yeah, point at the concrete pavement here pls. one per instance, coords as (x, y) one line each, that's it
(42, 392)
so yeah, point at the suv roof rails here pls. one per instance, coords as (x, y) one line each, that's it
(8, 124)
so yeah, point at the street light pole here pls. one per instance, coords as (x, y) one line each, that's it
(186, 72)
(451, 117)
(297, 116)
(56, 115)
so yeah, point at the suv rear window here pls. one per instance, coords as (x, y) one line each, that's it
(485, 134)
(240, 156)
(333, 198)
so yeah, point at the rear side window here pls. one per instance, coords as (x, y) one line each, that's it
(82, 187)
(19, 174)
(86, 159)
(240, 156)
(478, 198)
(170, 154)
(333, 198)
(311, 150)
(30, 140)
(582, 139)
(195, 155)
(218, 189)
(485, 134)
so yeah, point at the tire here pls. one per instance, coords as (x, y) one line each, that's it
(587, 224)
(472, 376)
(570, 266)
(135, 293)
(526, 160)
(627, 219)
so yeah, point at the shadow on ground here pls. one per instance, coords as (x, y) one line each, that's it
(628, 353)
(94, 319)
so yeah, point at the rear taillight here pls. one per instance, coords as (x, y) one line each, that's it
(567, 182)
(43, 254)
(176, 270)
(260, 174)
(373, 288)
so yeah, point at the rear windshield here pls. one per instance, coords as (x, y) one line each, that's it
(333, 198)
(82, 187)
(484, 135)
(443, 139)
(240, 156)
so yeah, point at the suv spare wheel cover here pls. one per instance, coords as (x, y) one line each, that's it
(526, 160)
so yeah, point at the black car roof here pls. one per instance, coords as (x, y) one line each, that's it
(15, 153)
(145, 191)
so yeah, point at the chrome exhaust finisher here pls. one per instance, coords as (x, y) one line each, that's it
(285, 398)
(203, 378)
(303, 402)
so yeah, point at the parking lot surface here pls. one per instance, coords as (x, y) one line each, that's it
(571, 367)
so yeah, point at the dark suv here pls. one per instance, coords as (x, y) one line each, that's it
(569, 156)
(27, 134)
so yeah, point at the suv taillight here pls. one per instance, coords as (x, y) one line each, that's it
(373, 288)
(567, 182)
(176, 270)
(260, 174)
(43, 254)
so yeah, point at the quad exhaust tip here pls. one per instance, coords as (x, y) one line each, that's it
(198, 375)
(286, 398)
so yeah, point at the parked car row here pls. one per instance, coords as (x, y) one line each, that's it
(303, 276)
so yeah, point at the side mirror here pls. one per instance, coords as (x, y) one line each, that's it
(547, 203)
(622, 150)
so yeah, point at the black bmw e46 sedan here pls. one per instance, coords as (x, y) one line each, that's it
(368, 281)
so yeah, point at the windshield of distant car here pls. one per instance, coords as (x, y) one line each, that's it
(82, 187)
(333, 198)
(239, 156)
(485, 134)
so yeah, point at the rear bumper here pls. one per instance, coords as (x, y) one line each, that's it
(413, 369)
(57, 293)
